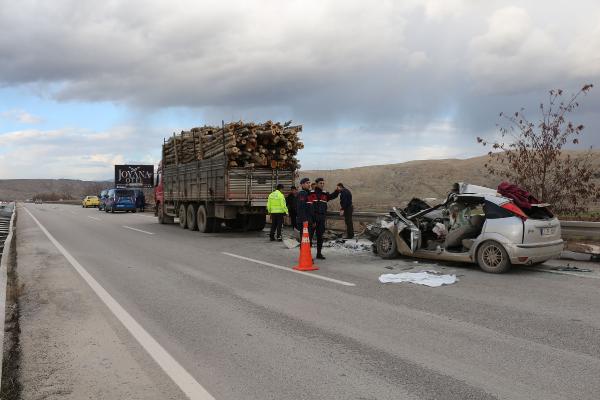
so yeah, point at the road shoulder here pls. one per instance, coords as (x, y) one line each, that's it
(72, 347)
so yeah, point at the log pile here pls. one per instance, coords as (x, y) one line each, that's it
(246, 145)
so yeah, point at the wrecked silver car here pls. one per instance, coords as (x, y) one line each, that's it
(476, 225)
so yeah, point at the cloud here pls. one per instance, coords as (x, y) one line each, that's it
(355, 74)
(21, 116)
(74, 153)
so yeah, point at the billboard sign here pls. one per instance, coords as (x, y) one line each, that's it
(134, 176)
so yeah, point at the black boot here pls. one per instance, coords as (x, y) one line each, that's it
(320, 256)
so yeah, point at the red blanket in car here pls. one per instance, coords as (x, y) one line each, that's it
(520, 196)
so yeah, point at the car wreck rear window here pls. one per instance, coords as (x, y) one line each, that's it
(493, 211)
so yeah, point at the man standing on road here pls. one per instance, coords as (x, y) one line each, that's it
(292, 205)
(347, 209)
(277, 208)
(140, 201)
(319, 199)
(304, 206)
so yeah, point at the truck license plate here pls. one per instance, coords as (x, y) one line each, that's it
(547, 231)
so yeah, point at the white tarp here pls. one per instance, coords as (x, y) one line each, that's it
(420, 278)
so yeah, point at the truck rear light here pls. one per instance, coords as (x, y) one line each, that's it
(513, 208)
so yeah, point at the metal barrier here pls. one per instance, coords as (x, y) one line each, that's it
(7, 218)
(570, 229)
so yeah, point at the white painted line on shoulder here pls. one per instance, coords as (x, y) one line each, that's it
(311, 275)
(137, 230)
(94, 218)
(192, 389)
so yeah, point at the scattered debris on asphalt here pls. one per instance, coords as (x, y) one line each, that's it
(350, 245)
(571, 269)
(291, 243)
(426, 278)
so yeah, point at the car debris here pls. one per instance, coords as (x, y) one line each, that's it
(570, 268)
(426, 278)
(474, 224)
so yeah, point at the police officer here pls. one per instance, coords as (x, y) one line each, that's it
(277, 208)
(319, 199)
(304, 206)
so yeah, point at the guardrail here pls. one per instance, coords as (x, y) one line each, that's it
(7, 218)
(570, 229)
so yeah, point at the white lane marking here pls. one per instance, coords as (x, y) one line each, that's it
(94, 218)
(145, 215)
(290, 270)
(574, 273)
(138, 230)
(192, 389)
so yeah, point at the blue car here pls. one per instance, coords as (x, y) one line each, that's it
(120, 200)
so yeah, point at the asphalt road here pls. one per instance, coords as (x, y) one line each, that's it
(246, 330)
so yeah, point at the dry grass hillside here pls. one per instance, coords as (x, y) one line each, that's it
(21, 189)
(379, 187)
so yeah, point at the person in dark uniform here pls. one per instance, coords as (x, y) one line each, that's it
(303, 206)
(292, 204)
(347, 209)
(319, 199)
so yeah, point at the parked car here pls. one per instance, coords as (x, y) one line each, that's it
(120, 200)
(102, 199)
(474, 225)
(90, 201)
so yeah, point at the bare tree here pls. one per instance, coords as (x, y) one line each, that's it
(531, 155)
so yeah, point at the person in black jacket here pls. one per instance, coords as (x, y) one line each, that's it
(292, 204)
(347, 209)
(303, 206)
(319, 199)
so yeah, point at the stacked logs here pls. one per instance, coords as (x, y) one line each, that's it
(248, 145)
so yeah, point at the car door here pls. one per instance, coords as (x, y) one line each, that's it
(404, 224)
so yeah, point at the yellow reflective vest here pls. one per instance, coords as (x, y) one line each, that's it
(276, 203)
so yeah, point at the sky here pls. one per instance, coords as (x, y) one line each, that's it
(85, 85)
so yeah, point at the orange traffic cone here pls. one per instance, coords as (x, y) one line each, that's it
(306, 262)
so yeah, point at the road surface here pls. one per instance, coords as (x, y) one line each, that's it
(242, 328)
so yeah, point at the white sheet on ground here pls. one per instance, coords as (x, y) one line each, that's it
(421, 278)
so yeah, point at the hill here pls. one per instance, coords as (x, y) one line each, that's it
(380, 186)
(21, 189)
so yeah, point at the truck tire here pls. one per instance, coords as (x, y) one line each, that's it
(162, 217)
(492, 257)
(182, 216)
(233, 223)
(386, 245)
(205, 224)
(259, 221)
(215, 223)
(192, 222)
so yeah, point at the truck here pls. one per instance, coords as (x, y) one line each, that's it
(204, 194)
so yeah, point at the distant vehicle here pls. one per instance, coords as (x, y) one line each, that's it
(493, 231)
(38, 201)
(120, 200)
(90, 201)
(102, 199)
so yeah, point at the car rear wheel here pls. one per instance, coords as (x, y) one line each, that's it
(182, 216)
(192, 222)
(492, 257)
(386, 245)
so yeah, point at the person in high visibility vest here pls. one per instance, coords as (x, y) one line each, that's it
(276, 206)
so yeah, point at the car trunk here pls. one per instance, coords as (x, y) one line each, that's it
(542, 228)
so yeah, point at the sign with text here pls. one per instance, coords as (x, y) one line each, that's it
(134, 176)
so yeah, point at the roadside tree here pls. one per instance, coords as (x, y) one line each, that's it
(532, 155)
